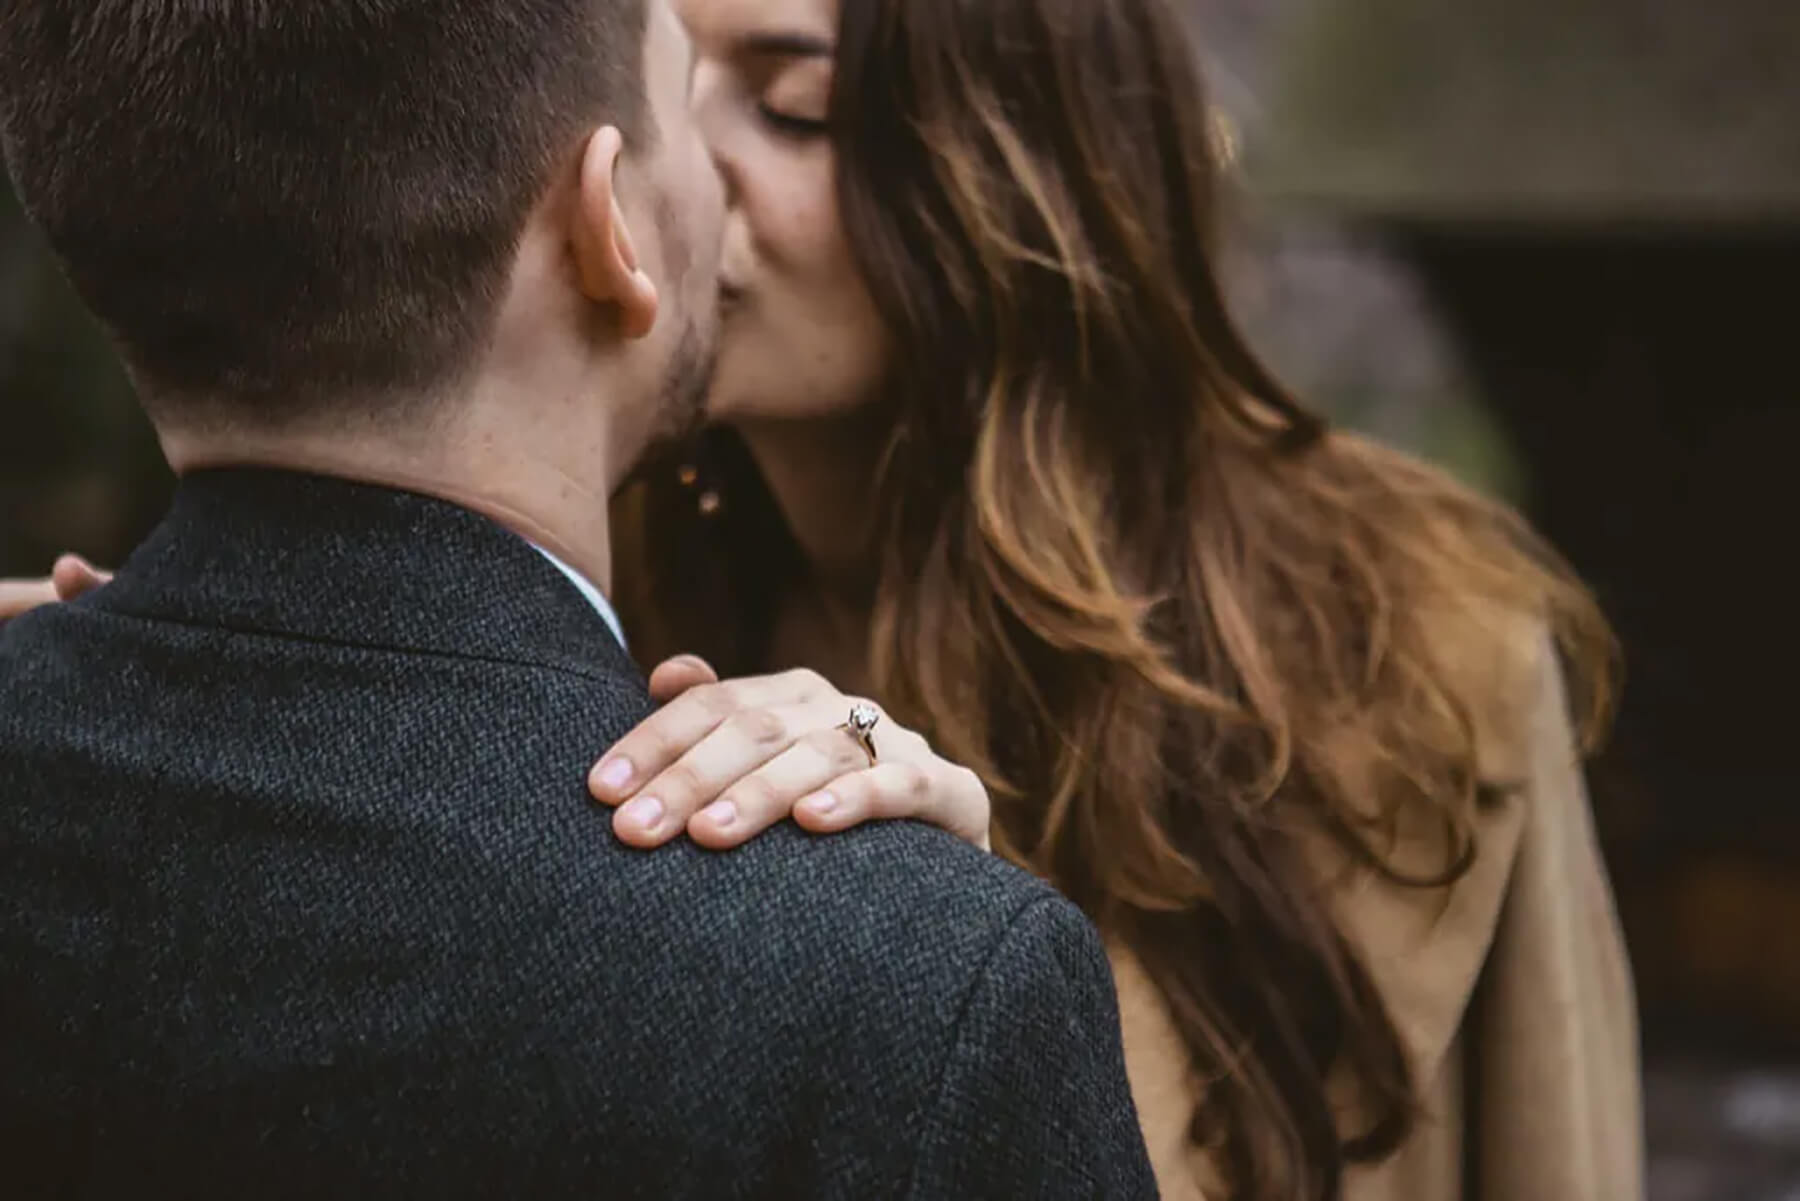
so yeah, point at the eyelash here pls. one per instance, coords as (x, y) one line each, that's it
(792, 127)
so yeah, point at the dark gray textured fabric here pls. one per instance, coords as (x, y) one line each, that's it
(301, 895)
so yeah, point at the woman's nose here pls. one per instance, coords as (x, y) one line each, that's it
(707, 101)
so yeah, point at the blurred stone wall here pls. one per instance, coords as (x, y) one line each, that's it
(1339, 315)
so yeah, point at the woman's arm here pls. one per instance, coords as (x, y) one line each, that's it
(72, 576)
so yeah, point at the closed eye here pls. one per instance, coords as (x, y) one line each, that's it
(791, 126)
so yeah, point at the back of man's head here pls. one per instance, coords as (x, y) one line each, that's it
(276, 205)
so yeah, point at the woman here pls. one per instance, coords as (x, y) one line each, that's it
(1283, 711)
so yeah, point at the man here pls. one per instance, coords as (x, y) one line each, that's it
(302, 893)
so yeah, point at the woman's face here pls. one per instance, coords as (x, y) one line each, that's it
(799, 334)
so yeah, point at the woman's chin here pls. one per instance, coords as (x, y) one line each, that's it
(759, 381)
(744, 391)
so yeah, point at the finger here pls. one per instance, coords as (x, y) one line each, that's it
(22, 596)
(662, 738)
(768, 794)
(671, 731)
(673, 677)
(73, 576)
(952, 798)
(735, 748)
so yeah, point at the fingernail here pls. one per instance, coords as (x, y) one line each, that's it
(644, 813)
(820, 803)
(721, 814)
(615, 774)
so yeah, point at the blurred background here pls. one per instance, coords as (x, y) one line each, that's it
(1553, 244)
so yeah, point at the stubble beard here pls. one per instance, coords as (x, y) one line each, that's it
(681, 410)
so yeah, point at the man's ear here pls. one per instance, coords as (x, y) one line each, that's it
(606, 261)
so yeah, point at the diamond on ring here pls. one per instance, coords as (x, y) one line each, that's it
(863, 718)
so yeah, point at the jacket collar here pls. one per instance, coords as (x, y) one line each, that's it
(304, 556)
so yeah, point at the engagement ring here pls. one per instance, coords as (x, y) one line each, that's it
(861, 726)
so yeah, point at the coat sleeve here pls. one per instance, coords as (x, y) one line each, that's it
(1559, 1090)
(1033, 1102)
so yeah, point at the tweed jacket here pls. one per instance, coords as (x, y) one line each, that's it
(301, 895)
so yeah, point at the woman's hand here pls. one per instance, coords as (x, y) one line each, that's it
(727, 760)
(72, 577)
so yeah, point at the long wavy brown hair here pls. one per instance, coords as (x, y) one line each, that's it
(1174, 623)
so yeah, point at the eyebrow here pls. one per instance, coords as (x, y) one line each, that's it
(787, 45)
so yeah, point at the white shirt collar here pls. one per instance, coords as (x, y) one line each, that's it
(602, 606)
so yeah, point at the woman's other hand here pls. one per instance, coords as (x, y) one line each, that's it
(725, 760)
(72, 576)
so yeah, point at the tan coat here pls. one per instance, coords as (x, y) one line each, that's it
(1519, 976)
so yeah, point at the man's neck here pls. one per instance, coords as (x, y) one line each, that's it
(550, 491)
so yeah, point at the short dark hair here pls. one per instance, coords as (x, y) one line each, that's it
(279, 203)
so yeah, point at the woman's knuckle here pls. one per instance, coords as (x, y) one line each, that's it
(826, 744)
(753, 795)
(712, 700)
(806, 682)
(680, 784)
(853, 792)
(650, 746)
(760, 726)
